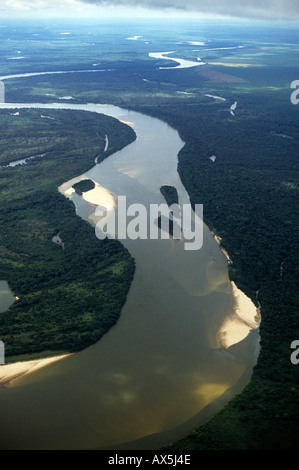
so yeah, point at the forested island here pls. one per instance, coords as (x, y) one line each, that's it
(67, 298)
(170, 194)
(83, 186)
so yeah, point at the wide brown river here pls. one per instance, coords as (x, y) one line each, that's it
(185, 342)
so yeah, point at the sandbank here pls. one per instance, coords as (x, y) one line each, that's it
(13, 371)
(244, 319)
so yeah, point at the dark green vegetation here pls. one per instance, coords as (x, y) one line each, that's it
(170, 194)
(167, 223)
(250, 193)
(83, 186)
(70, 294)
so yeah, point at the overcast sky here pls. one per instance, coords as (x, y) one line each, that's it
(257, 9)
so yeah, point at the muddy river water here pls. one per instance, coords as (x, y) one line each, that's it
(186, 340)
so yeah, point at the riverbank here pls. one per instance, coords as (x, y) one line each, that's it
(218, 240)
(244, 319)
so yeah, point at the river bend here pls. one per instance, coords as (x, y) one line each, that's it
(186, 340)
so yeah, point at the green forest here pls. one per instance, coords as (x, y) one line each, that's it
(68, 295)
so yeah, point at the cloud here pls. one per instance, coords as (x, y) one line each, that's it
(258, 9)
(38, 5)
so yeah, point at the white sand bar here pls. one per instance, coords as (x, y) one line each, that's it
(10, 372)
